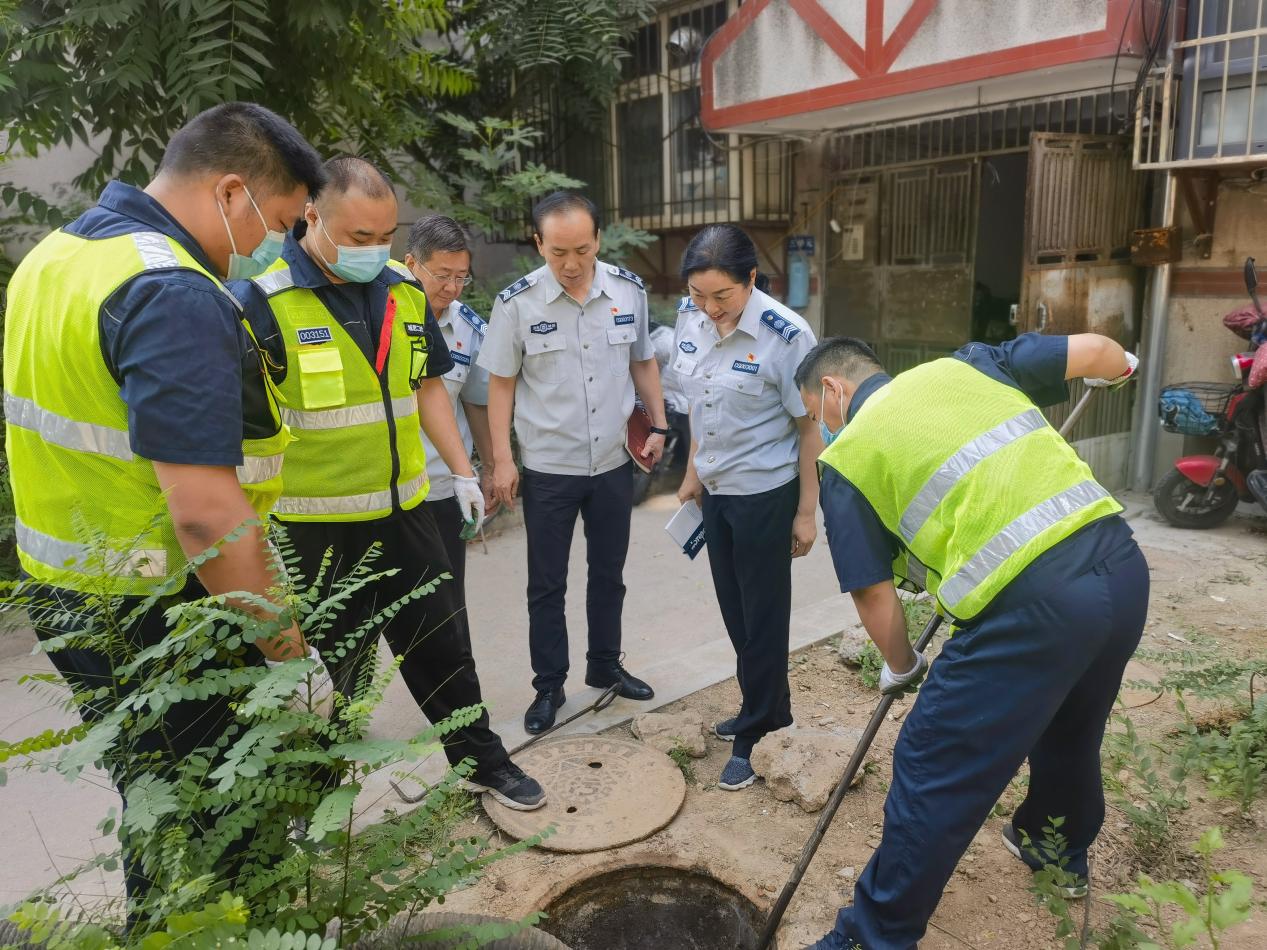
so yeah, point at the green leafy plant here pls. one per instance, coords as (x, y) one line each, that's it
(682, 759)
(1049, 884)
(1148, 798)
(1176, 913)
(250, 838)
(1231, 758)
(1204, 669)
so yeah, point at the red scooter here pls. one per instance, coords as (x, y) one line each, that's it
(1202, 491)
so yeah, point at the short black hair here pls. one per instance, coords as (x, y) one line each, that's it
(843, 356)
(563, 202)
(250, 140)
(723, 247)
(436, 232)
(347, 172)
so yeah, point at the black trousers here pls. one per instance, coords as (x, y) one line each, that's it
(749, 540)
(187, 726)
(429, 632)
(551, 504)
(448, 517)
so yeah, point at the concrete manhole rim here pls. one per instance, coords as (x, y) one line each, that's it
(586, 805)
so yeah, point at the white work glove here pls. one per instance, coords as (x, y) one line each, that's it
(470, 499)
(892, 683)
(315, 692)
(1132, 361)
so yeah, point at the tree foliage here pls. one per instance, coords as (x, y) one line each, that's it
(369, 76)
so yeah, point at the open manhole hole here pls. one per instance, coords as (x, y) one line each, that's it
(653, 908)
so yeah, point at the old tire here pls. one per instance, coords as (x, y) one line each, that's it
(1185, 504)
(399, 933)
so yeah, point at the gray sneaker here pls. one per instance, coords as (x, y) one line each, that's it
(725, 730)
(510, 785)
(736, 775)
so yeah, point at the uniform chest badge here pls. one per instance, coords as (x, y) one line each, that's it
(544, 327)
(460, 358)
(308, 335)
(415, 329)
(686, 346)
(746, 366)
(623, 319)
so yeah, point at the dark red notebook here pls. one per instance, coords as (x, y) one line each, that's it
(636, 436)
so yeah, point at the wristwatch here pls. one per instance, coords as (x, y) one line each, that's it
(658, 431)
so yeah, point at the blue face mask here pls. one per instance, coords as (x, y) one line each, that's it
(828, 436)
(356, 265)
(265, 253)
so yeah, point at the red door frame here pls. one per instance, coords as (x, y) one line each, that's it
(871, 62)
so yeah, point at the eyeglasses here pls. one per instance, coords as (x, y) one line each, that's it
(453, 279)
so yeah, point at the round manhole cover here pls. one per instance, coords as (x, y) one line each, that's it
(600, 793)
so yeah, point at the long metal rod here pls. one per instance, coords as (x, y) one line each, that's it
(860, 751)
(829, 812)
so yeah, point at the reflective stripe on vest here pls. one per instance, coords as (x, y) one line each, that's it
(68, 433)
(58, 554)
(260, 468)
(1020, 532)
(346, 504)
(347, 416)
(961, 463)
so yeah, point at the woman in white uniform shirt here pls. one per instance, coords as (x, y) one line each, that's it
(753, 468)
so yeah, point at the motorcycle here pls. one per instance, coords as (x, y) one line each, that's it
(1202, 491)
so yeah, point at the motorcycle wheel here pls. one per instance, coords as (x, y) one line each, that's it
(1185, 504)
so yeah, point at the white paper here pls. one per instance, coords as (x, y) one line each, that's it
(686, 528)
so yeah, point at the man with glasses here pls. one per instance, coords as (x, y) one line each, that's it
(437, 253)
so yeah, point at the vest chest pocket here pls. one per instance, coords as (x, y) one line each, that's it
(619, 342)
(543, 355)
(321, 377)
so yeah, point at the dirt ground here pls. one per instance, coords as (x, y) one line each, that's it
(1201, 583)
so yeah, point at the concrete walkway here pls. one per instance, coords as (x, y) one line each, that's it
(674, 638)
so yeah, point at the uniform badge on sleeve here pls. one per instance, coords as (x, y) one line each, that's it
(314, 335)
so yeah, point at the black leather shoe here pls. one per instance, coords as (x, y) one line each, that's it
(630, 686)
(540, 715)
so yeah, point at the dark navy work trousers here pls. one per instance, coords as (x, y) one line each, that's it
(551, 505)
(749, 540)
(1033, 681)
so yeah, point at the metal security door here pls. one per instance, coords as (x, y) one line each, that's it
(1081, 205)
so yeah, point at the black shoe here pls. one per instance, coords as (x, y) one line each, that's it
(630, 686)
(510, 785)
(725, 730)
(1256, 481)
(540, 715)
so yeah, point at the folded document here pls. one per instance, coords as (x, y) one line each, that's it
(687, 529)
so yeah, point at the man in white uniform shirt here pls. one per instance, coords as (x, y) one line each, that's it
(439, 255)
(567, 346)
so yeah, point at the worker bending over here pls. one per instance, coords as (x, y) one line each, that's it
(948, 477)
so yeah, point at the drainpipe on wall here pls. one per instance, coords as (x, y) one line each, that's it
(1152, 359)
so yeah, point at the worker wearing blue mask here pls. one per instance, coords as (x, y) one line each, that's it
(359, 361)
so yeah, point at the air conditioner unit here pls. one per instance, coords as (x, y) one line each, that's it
(1223, 106)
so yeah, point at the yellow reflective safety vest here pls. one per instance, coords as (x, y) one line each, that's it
(358, 452)
(87, 507)
(971, 478)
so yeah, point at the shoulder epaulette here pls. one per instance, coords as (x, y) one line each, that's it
(275, 281)
(473, 318)
(518, 287)
(780, 325)
(629, 275)
(686, 303)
